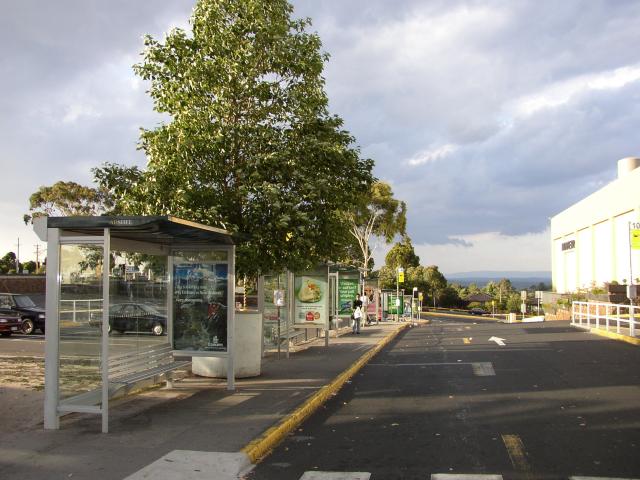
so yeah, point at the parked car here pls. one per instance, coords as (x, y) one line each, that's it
(133, 317)
(478, 311)
(10, 322)
(31, 315)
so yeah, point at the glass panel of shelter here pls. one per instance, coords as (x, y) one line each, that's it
(137, 303)
(80, 317)
(276, 318)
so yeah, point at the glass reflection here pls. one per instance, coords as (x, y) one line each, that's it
(137, 304)
(80, 299)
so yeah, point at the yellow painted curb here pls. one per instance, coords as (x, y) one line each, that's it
(611, 335)
(260, 447)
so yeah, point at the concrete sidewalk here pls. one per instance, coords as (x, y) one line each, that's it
(170, 433)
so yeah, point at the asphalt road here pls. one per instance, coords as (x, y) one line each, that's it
(553, 402)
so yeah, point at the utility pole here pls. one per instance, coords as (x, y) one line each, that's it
(37, 252)
(18, 257)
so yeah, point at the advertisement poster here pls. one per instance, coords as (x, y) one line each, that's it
(393, 309)
(200, 306)
(311, 292)
(347, 291)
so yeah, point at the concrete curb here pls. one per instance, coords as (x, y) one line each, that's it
(261, 446)
(611, 335)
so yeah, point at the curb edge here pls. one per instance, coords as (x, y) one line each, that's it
(611, 335)
(261, 446)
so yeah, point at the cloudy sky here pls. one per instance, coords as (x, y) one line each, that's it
(487, 117)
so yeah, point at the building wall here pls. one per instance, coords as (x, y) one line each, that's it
(598, 226)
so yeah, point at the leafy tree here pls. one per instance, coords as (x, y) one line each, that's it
(513, 303)
(66, 198)
(450, 297)
(8, 263)
(386, 277)
(250, 145)
(429, 280)
(29, 266)
(380, 215)
(402, 254)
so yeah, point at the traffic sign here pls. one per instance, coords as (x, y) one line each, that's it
(635, 239)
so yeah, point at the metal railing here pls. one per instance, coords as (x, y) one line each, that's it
(606, 316)
(79, 310)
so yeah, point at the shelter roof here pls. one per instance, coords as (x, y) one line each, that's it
(164, 230)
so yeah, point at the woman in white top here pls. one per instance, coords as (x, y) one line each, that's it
(357, 318)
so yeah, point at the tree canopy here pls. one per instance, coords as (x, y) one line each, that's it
(403, 255)
(250, 145)
(67, 198)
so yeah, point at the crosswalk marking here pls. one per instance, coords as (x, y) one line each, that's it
(599, 478)
(464, 476)
(483, 369)
(516, 451)
(314, 475)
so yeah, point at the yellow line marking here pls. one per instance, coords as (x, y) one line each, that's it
(261, 446)
(515, 449)
(467, 341)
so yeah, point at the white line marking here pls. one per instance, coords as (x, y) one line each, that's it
(498, 340)
(464, 476)
(599, 478)
(336, 476)
(483, 369)
(191, 465)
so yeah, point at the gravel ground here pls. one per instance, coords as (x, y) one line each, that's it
(21, 393)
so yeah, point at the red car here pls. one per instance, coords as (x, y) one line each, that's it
(10, 322)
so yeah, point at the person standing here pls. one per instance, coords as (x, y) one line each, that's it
(357, 318)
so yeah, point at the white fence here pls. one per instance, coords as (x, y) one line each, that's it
(606, 316)
(79, 311)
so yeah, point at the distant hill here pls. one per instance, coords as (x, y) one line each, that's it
(518, 279)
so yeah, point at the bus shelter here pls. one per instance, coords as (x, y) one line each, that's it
(122, 289)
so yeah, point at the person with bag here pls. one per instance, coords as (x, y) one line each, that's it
(357, 318)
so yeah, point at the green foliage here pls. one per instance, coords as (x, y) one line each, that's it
(513, 303)
(8, 263)
(450, 298)
(250, 145)
(402, 254)
(65, 199)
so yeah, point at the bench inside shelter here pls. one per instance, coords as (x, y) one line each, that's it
(127, 372)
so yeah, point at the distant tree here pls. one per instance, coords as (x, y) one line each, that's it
(8, 263)
(428, 280)
(386, 277)
(402, 254)
(379, 214)
(29, 266)
(472, 289)
(65, 199)
(513, 303)
(450, 298)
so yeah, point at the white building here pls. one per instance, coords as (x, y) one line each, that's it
(590, 239)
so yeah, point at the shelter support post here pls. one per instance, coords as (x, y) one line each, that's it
(104, 355)
(52, 332)
(231, 319)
